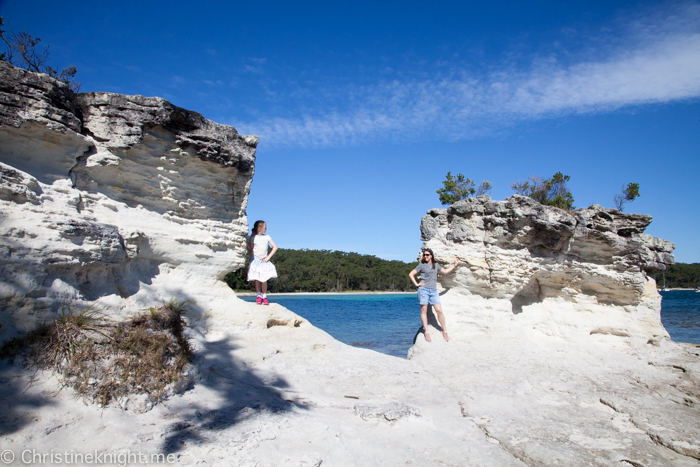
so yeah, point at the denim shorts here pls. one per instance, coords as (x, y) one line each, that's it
(428, 296)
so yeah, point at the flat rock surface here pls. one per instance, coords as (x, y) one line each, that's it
(289, 394)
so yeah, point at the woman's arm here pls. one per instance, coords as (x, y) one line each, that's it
(450, 269)
(274, 250)
(412, 275)
(249, 244)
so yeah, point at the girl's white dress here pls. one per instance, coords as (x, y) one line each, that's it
(259, 271)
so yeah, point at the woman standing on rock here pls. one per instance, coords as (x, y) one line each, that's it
(261, 269)
(427, 289)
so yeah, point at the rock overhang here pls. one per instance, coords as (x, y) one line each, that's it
(112, 197)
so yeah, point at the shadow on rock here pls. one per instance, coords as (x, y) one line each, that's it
(432, 321)
(19, 407)
(244, 393)
(531, 293)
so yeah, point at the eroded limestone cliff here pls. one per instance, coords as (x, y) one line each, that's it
(520, 255)
(119, 198)
(557, 349)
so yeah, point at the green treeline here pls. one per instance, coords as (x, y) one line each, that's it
(329, 271)
(681, 276)
(338, 271)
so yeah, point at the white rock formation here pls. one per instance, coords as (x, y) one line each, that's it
(125, 199)
(556, 357)
(591, 265)
(557, 349)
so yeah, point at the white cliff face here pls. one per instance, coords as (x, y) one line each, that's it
(124, 199)
(570, 274)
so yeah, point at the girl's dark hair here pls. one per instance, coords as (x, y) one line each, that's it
(255, 228)
(432, 257)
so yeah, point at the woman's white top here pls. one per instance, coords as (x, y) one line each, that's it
(260, 244)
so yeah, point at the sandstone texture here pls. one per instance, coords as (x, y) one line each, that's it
(557, 350)
(557, 355)
(528, 254)
(121, 199)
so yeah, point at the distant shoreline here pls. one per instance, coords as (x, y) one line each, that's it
(352, 292)
(362, 292)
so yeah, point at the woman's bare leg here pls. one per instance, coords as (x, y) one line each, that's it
(424, 320)
(257, 286)
(441, 319)
(264, 288)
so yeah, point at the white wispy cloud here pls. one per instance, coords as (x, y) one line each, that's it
(654, 60)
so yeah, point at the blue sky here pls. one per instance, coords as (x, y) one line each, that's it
(363, 107)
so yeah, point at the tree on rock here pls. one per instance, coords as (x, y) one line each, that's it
(23, 52)
(627, 194)
(483, 188)
(460, 187)
(551, 191)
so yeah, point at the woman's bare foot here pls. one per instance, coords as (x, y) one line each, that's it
(427, 336)
(444, 334)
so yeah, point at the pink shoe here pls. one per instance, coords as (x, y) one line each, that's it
(265, 302)
(259, 300)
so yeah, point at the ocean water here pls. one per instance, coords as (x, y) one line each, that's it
(389, 323)
(680, 314)
(385, 323)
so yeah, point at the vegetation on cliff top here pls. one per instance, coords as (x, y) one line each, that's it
(23, 51)
(459, 187)
(627, 194)
(329, 271)
(548, 191)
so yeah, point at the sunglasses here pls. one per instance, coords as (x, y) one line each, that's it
(427, 254)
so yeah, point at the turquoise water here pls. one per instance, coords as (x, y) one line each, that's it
(680, 313)
(389, 323)
(385, 323)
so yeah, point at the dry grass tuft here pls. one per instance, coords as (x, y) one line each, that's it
(67, 337)
(106, 361)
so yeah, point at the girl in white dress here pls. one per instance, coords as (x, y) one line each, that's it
(261, 269)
